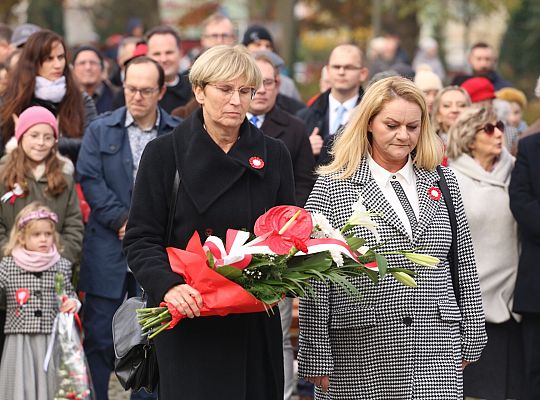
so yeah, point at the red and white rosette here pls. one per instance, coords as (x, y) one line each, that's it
(434, 193)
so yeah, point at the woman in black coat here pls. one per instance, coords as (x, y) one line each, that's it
(230, 174)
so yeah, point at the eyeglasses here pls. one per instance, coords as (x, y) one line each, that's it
(346, 68)
(269, 83)
(489, 128)
(219, 36)
(227, 91)
(144, 92)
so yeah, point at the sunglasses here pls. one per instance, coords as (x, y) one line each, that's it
(489, 128)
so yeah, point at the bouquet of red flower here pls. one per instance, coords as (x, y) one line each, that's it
(291, 248)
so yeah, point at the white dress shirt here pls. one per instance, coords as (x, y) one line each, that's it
(407, 179)
(334, 104)
(260, 118)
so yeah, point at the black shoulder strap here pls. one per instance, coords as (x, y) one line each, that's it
(453, 225)
(174, 198)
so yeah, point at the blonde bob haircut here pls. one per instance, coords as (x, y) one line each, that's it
(354, 142)
(17, 234)
(462, 134)
(225, 63)
(437, 104)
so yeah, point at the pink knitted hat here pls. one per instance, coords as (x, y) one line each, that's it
(33, 116)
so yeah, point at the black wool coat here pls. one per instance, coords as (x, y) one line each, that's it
(234, 357)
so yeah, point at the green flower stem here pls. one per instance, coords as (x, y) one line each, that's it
(159, 330)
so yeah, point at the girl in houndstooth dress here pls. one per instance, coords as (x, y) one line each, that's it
(27, 276)
(396, 342)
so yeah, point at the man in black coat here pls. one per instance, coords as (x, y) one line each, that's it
(276, 123)
(525, 205)
(326, 116)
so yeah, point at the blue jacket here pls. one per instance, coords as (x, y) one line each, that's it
(105, 171)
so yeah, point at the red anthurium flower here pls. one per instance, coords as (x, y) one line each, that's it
(284, 224)
(300, 245)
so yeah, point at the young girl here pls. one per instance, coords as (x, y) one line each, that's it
(32, 171)
(27, 275)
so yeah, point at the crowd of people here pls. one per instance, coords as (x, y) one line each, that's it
(91, 145)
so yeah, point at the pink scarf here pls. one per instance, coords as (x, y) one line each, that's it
(35, 261)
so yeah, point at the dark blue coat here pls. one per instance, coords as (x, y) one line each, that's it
(106, 175)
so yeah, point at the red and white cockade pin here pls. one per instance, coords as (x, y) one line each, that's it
(434, 193)
(22, 296)
(256, 162)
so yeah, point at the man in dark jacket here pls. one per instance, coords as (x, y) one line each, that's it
(164, 47)
(88, 67)
(332, 109)
(107, 166)
(482, 60)
(525, 205)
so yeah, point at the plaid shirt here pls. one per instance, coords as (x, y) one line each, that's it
(38, 313)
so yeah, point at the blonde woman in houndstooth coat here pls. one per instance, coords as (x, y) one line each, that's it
(397, 342)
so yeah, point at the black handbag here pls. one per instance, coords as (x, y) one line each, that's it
(135, 362)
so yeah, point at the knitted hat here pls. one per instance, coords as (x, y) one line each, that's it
(427, 80)
(255, 33)
(479, 88)
(33, 116)
(512, 95)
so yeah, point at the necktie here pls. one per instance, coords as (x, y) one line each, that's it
(338, 119)
(254, 120)
(405, 204)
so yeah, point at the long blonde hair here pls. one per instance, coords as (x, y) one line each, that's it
(354, 142)
(17, 233)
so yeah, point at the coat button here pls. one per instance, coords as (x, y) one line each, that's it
(37, 313)
(208, 231)
(112, 147)
(408, 321)
(38, 274)
(37, 293)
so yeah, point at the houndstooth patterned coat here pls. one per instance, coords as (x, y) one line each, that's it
(397, 342)
(38, 313)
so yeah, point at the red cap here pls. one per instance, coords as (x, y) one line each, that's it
(479, 88)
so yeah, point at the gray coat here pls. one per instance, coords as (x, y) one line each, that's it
(396, 342)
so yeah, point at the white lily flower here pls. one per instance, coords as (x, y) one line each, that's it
(362, 217)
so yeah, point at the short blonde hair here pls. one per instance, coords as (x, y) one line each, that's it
(437, 104)
(354, 142)
(225, 63)
(17, 233)
(464, 130)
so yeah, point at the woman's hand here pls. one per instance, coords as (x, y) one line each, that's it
(464, 363)
(68, 305)
(186, 299)
(322, 382)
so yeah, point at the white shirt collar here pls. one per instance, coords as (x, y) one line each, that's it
(260, 118)
(349, 104)
(383, 177)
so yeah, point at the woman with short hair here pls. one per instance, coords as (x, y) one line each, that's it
(231, 173)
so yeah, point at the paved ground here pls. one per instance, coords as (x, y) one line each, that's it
(116, 392)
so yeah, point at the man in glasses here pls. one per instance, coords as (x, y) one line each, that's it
(217, 29)
(332, 109)
(108, 161)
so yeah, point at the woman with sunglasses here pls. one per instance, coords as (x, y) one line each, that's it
(483, 166)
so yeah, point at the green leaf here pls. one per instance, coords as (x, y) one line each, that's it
(229, 272)
(382, 264)
(211, 260)
(355, 242)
